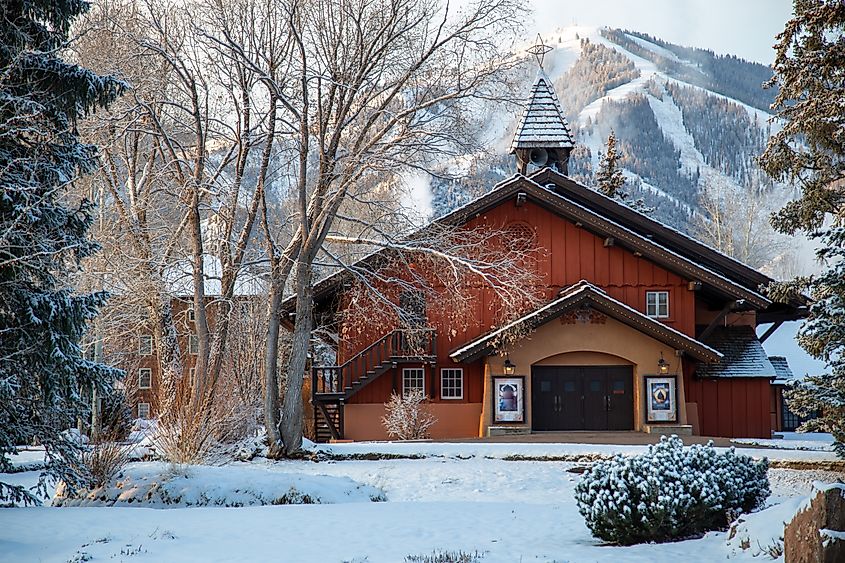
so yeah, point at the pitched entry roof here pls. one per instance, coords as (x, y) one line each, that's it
(582, 294)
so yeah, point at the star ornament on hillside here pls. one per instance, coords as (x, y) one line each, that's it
(539, 50)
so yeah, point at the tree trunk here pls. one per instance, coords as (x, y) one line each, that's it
(291, 424)
(271, 364)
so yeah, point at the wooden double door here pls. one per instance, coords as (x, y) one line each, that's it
(582, 398)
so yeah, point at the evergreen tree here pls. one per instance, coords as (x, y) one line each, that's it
(611, 181)
(810, 152)
(43, 236)
(609, 177)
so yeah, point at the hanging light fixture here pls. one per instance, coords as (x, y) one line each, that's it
(509, 366)
(662, 364)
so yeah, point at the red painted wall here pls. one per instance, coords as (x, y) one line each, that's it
(731, 407)
(569, 254)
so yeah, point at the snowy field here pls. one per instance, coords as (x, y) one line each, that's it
(462, 497)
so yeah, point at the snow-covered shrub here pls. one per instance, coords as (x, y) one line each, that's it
(669, 492)
(407, 417)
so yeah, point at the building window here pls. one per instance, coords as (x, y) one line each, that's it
(191, 316)
(145, 378)
(143, 410)
(452, 383)
(194, 344)
(192, 374)
(657, 304)
(412, 379)
(145, 345)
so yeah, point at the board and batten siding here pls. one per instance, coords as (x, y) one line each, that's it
(568, 253)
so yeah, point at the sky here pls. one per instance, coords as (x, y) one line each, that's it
(745, 28)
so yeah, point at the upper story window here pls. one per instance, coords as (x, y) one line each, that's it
(452, 383)
(145, 345)
(413, 379)
(657, 304)
(143, 410)
(191, 316)
(193, 344)
(145, 378)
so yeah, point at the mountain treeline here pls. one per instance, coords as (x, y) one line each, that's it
(597, 71)
(723, 131)
(728, 75)
(646, 151)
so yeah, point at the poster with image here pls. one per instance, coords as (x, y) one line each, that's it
(661, 399)
(508, 399)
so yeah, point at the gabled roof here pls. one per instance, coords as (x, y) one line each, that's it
(783, 373)
(557, 202)
(542, 123)
(586, 294)
(657, 231)
(744, 355)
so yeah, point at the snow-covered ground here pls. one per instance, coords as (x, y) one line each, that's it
(463, 497)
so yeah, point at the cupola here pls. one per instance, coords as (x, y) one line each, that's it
(543, 138)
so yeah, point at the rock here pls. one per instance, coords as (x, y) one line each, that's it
(817, 533)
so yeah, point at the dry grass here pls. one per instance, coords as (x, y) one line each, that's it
(103, 460)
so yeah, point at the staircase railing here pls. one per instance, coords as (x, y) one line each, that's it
(397, 345)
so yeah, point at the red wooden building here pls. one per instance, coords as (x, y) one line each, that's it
(642, 328)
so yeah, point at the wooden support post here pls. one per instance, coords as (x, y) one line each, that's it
(770, 330)
(729, 306)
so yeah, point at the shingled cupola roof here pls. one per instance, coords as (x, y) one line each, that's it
(542, 124)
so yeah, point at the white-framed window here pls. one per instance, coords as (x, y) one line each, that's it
(192, 374)
(145, 378)
(657, 304)
(143, 410)
(145, 345)
(191, 316)
(413, 378)
(452, 383)
(193, 344)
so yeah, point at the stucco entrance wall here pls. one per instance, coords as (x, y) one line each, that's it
(363, 421)
(584, 343)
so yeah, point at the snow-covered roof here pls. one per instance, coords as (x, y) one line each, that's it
(744, 355)
(783, 374)
(542, 123)
(578, 295)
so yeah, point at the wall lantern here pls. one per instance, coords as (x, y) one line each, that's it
(510, 367)
(662, 364)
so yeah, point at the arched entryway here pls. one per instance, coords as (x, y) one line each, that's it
(582, 398)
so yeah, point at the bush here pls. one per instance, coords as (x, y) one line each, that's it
(407, 417)
(669, 492)
(103, 460)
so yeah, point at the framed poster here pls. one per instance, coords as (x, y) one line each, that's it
(661, 398)
(509, 399)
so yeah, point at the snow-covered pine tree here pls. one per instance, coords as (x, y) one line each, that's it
(609, 177)
(43, 235)
(809, 151)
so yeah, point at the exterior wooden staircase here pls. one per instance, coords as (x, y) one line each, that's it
(332, 386)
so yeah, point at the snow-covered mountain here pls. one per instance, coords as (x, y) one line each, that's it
(688, 121)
